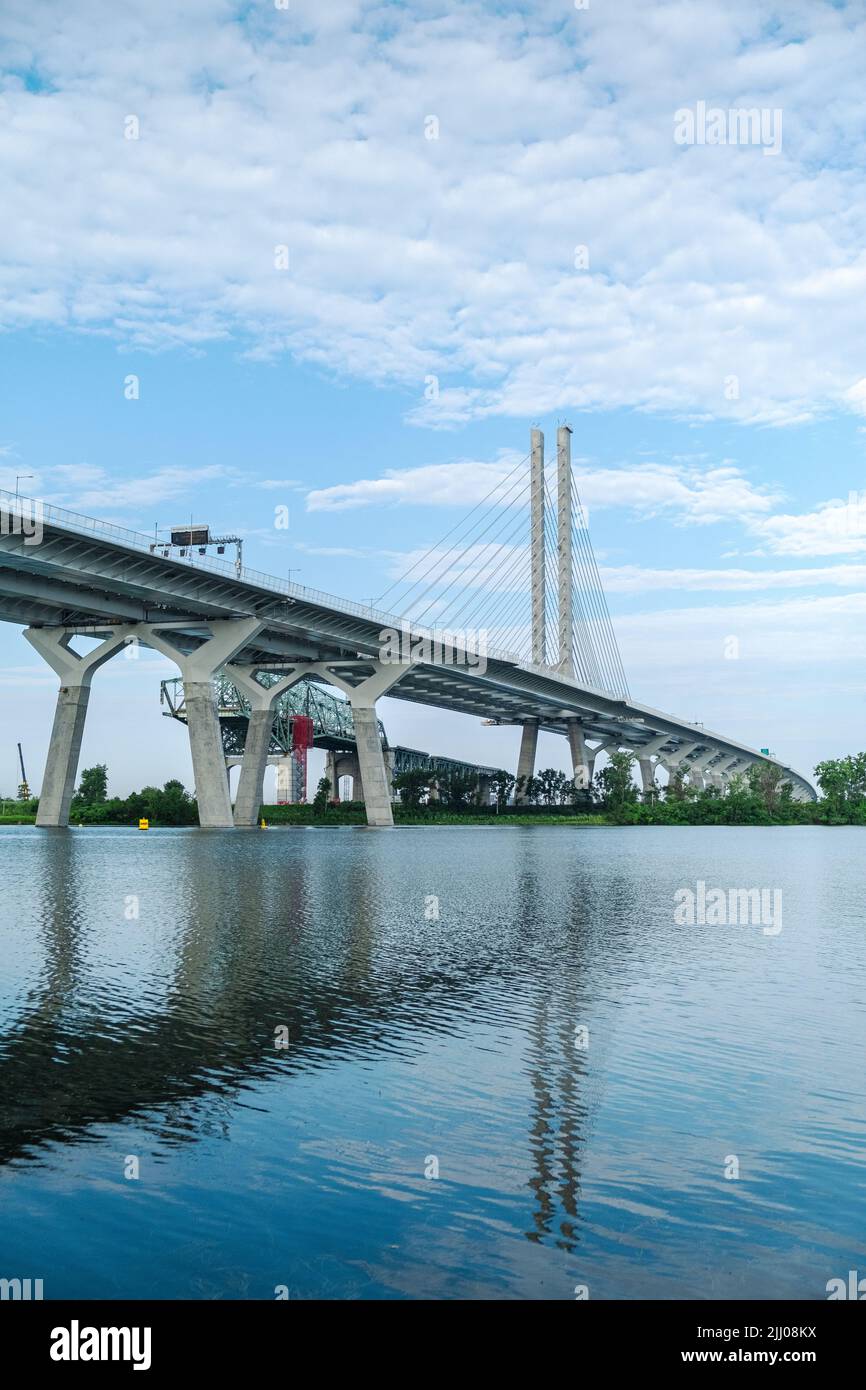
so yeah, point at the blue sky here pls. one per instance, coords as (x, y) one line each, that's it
(715, 511)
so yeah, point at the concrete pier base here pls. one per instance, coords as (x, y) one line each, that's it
(208, 759)
(287, 792)
(64, 749)
(580, 762)
(526, 757)
(371, 763)
(197, 669)
(331, 774)
(248, 802)
(374, 766)
(262, 701)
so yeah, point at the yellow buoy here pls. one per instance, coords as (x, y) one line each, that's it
(264, 824)
(143, 824)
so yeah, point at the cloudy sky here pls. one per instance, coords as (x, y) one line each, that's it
(353, 251)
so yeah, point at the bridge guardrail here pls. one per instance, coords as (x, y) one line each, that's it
(81, 524)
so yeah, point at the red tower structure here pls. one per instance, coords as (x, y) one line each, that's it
(302, 742)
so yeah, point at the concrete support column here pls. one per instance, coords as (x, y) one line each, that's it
(208, 759)
(671, 770)
(375, 775)
(331, 773)
(698, 774)
(647, 768)
(610, 745)
(591, 755)
(376, 678)
(351, 767)
(262, 700)
(346, 765)
(285, 781)
(251, 786)
(680, 756)
(579, 761)
(64, 750)
(647, 775)
(526, 757)
(197, 669)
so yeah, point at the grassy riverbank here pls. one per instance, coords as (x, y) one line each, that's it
(760, 797)
(353, 813)
(712, 811)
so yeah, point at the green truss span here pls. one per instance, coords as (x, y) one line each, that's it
(332, 723)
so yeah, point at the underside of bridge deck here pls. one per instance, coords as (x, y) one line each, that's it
(75, 577)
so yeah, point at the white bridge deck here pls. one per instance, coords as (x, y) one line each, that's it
(86, 575)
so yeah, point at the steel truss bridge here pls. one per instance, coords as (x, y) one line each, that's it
(333, 727)
(519, 572)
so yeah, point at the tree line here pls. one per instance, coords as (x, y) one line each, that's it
(761, 795)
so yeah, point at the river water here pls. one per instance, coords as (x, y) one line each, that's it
(509, 1071)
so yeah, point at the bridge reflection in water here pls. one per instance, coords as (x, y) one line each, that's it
(144, 977)
(167, 1020)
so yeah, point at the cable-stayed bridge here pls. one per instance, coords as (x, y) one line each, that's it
(535, 591)
(504, 619)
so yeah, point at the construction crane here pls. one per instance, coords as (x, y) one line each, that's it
(23, 786)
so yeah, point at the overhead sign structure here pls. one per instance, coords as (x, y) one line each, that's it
(190, 535)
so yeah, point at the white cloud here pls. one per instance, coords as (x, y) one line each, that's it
(687, 493)
(833, 528)
(453, 257)
(804, 635)
(462, 484)
(795, 683)
(84, 487)
(273, 484)
(338, 552)
(635, 579)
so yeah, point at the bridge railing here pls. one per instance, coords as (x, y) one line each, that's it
(81, 524)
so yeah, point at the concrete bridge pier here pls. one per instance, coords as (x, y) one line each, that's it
(646, 766)
(287, 790)
(373, 764)
(197, 669)
(698, 774)
(346, 765)
(262, 699)
(64, 750)
(331, 759)
(610, 745)
(526, 757)
(647, 775)
(725, 771)
(582, 766)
